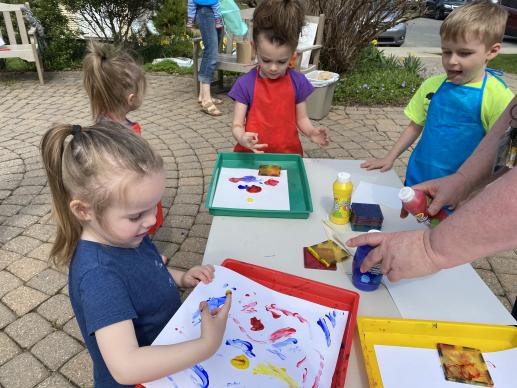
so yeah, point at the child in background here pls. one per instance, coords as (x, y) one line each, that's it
(115, 84)
(105, 183)
(192, 11)
(270, 99)
(454, 110)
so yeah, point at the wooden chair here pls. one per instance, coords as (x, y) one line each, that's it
(227, 60)
(27, 50)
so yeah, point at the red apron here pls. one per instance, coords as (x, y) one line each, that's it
(159, 211)
(273, 116)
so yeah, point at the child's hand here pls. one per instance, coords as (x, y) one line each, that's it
(213, 324)
(199, 273)
(250, 140)
(320, 136)
(383, 164)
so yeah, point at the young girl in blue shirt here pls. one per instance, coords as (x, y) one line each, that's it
(105, 183)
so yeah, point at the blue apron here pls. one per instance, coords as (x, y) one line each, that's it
(453, 129)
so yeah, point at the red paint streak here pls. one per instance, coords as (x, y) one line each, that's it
(304, 377)
(271, 182)
(254, 189)
(287, 313)
(320, 372)
(249, 308)
(280, 333)
(234, 180)
(300, 362)
(256, 324)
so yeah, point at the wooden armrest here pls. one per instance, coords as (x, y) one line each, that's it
(309, 48)
(32, 31)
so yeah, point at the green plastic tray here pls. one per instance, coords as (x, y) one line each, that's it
(299, 193)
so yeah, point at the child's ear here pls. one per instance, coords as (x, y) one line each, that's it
(131, 99)
(493, 51)
(81, 210)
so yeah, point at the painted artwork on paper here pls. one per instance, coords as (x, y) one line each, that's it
(271, 339)
(242, 188)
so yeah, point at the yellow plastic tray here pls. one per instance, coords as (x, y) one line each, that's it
(426, 334)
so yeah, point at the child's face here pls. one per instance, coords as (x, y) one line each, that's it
(126, 222)
(273, 59)
(465, 61)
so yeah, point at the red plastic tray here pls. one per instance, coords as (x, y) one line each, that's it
(312, 291)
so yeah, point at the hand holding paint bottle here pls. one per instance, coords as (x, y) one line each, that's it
(342, 189)
(416, 203)
(213, 323)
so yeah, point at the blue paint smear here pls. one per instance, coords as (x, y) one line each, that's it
(286, 342)
(323, 325)
(249, 178)
(233, 384)
(213, 303)
(171, 380)
(245, 346)
(242, 187)
(203, 376)
(332, 318)
(278, 353)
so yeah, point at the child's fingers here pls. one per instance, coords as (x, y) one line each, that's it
(203, 307)
(225, 309)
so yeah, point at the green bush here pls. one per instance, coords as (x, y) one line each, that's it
(169, 67)
(379, 80)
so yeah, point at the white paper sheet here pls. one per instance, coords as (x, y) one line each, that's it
(300, 336)
(447, 292)
(371, 193)
(403, 367)
(228, 194)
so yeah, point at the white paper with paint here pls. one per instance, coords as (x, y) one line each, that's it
(371, 193)
(403, 367)
(300, 340)
(228, 194)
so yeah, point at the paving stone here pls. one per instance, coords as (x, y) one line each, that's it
(9, 210)
(23, 371)
(505, 302)
(200, 230)
(72, 329)
(49, 281)
(8, 348)
(56, 380)
(184, 210)
(23, 299)
(482, 263)
(22, 244)
(21, 220)
(26, 268)
(508, 281)
(79, 370)
(182, 222)
(36, 210)
(188, 199)
(56, 349)
(194, 244)
(41, 253)
(8, 233)
(491, 281)
(28, 330)
(204, 218)
(40, 231)
(8, 282)
(57, 310)
(186, 260)
(6, 316)
(166, 248)
(506, 265)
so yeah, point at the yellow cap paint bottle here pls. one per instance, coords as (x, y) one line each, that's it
(342, 188)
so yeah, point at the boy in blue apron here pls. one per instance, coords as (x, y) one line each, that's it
(454, 111)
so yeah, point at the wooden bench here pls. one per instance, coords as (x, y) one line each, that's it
(27, 49)
(227, 60)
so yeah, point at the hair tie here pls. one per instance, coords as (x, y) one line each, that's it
(76, 129)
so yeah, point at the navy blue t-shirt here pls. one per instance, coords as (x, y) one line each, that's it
(109, 285)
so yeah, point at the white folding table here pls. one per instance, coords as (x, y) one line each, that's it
(458, 294)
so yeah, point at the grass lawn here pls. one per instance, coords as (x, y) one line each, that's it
(505, 62)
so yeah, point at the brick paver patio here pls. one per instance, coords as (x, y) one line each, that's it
(40, 343)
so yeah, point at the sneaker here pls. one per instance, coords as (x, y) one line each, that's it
(190, 23)
(219, 23)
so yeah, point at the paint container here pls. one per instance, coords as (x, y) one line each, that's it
(370, 280)
(416, 203)
(342, 189)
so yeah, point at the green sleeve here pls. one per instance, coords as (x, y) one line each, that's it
(495, 100)
(416, 110)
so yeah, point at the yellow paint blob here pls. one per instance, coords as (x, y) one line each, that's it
(250, 199)
(240, 362)
(275, 371)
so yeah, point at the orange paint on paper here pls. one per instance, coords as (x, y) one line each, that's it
(275, 371)
(240, 362)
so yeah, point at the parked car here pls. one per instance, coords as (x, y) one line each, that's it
(511, 24)
(440, 9)
(395, 35)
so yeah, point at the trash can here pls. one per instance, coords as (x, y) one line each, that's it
(320, 101)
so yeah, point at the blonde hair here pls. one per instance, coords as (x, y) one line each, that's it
(110, 75)
(89, 166)
(482, 19)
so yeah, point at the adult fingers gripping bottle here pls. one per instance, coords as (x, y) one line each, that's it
(342, 188)
(415, 202)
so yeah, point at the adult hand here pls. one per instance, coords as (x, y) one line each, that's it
(402, 255)
(448, 191)
(383, 164)
(198, 273)
(250, 140)
(320, 136)
(213, 323)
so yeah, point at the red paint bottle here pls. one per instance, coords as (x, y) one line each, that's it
(416, 203)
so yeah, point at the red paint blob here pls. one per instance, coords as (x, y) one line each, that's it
(275, 315)
(253, 189)
(234, 180)
(271, 182)
(256, 324)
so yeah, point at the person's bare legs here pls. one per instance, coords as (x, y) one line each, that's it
(204, 93)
